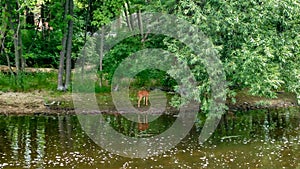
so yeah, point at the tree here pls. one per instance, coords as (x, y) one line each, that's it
(66, 48)
(106, 11)
(256, 40)
(14, 18)
(3, 34)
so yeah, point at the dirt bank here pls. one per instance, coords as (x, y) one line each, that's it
(41, 102)
(244, 101)
(30, 103)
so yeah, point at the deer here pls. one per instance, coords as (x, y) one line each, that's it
(143, 94)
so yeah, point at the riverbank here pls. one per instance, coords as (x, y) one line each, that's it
(244, 101)
(45, 102)
(33, 102)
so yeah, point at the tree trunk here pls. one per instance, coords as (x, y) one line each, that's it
(60, 84)
(3, 52)
(127, 17)
(19, 44)
(87, 21)
(17, 56)
(130, 14)
(16, 31)
(3, 33)
(3, 27)
(69, 46)
(140, 22)
(20, 51)
(9, 65)
(3, 30)
(101, 55)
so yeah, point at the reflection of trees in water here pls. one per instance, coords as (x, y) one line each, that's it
(15, 143)
(26, 137)
(41, 142)
(27, 153)
(272, 135)
(65, 131)
(281, 132)
(256, 124)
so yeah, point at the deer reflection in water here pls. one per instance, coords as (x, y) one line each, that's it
(143, 122)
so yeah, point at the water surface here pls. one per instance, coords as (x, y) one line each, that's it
(254, 139)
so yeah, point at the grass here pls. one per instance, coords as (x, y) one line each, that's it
(27, 82)
(43, 81)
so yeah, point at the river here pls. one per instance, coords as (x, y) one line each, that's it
(252, 139)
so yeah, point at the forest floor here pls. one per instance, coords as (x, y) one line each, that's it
(45, 102)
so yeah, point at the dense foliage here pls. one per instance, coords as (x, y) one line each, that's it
(258, 42)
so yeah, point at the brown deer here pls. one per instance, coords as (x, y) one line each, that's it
(143, 94)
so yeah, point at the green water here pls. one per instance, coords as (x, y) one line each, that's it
(255, 139)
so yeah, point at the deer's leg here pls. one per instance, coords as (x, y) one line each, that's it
(146, 100)
(140, 98)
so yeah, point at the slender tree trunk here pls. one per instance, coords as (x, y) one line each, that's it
(130, 14)
(3, 34)
(16, 35)
(127, 17)
(19, 41)
(17, 56)
(140, 22)
(3, 52)
(17, 38)
(101, 55)
(20, 51)
(9, 65)
(60, 85)
(42, 20)
(87, 21)
(3, 27)
(16, 45)
(69, 47)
